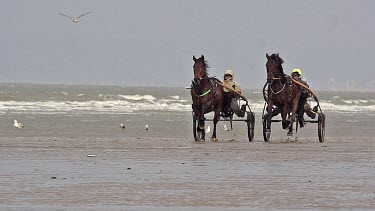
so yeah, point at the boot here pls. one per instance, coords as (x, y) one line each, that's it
(309, 112)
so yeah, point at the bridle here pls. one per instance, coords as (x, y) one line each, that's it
(269, 81)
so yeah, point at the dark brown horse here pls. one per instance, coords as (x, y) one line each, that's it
(207, 96)
(282, 93)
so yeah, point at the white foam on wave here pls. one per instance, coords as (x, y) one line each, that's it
(176, 97)
(349, 108)
(126, 104)
(138, 97)
(93, 106)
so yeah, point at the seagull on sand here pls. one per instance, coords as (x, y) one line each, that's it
(17, 124)
(225, 128)
(146, 127)
(208, 129)
(75, 20)
(122, 126)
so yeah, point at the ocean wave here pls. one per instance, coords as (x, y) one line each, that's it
(149, 98)
(176, 97)
(112, 106)
(126, 104)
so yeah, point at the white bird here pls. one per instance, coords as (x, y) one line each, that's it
(146, 127)
(208, 129)
(17, 124)
(225, 128)
(75, 20)
(122, 126)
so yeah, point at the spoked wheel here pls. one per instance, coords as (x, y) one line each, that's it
(321, 126)
(266, 134)
(250, 125)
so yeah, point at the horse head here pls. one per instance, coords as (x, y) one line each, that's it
(199, 69)
(274, 68)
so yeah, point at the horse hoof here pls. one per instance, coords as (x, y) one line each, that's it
(201, 140)
(214, 139)
(289, 134)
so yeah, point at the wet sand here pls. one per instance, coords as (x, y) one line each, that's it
(46, 173)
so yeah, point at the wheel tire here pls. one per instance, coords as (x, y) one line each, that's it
(321, 126)
(250, 125)
(266, 135)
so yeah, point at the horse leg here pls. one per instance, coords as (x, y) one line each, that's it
(201, 125)
(293, 118)
(216, 120)
(284, 114)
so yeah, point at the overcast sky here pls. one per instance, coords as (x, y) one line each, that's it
(151, 42)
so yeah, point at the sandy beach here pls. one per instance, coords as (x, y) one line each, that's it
(44, 173)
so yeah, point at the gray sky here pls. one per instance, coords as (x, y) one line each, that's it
(151, 42)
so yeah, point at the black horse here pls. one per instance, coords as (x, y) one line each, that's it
(207, 96)
(282, 93)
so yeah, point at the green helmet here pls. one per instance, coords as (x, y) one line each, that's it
(297, 70)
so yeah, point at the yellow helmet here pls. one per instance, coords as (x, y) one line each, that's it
(297, 70)
(229, 72)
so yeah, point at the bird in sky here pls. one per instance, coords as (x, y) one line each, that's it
(17, 124)
(75, 20)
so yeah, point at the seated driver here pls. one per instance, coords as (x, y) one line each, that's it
(297, 75)
(230, 98)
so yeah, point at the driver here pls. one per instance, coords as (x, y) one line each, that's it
(297, 75)
(230, 98)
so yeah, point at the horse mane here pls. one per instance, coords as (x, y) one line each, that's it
(206, 66)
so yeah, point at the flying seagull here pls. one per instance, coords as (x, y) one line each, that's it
(17, 124)
(75, 20)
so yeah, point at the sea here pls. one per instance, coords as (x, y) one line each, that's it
(97, 111)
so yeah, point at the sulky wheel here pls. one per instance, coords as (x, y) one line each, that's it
(321, 126)
(250, 125)
(266, 133)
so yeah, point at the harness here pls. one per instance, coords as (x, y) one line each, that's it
(213, 90)
(278, 92)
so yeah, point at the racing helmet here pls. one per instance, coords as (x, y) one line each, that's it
(298, 71)
(229, 72)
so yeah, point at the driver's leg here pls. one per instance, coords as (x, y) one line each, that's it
(236, 108)
(310, 112)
